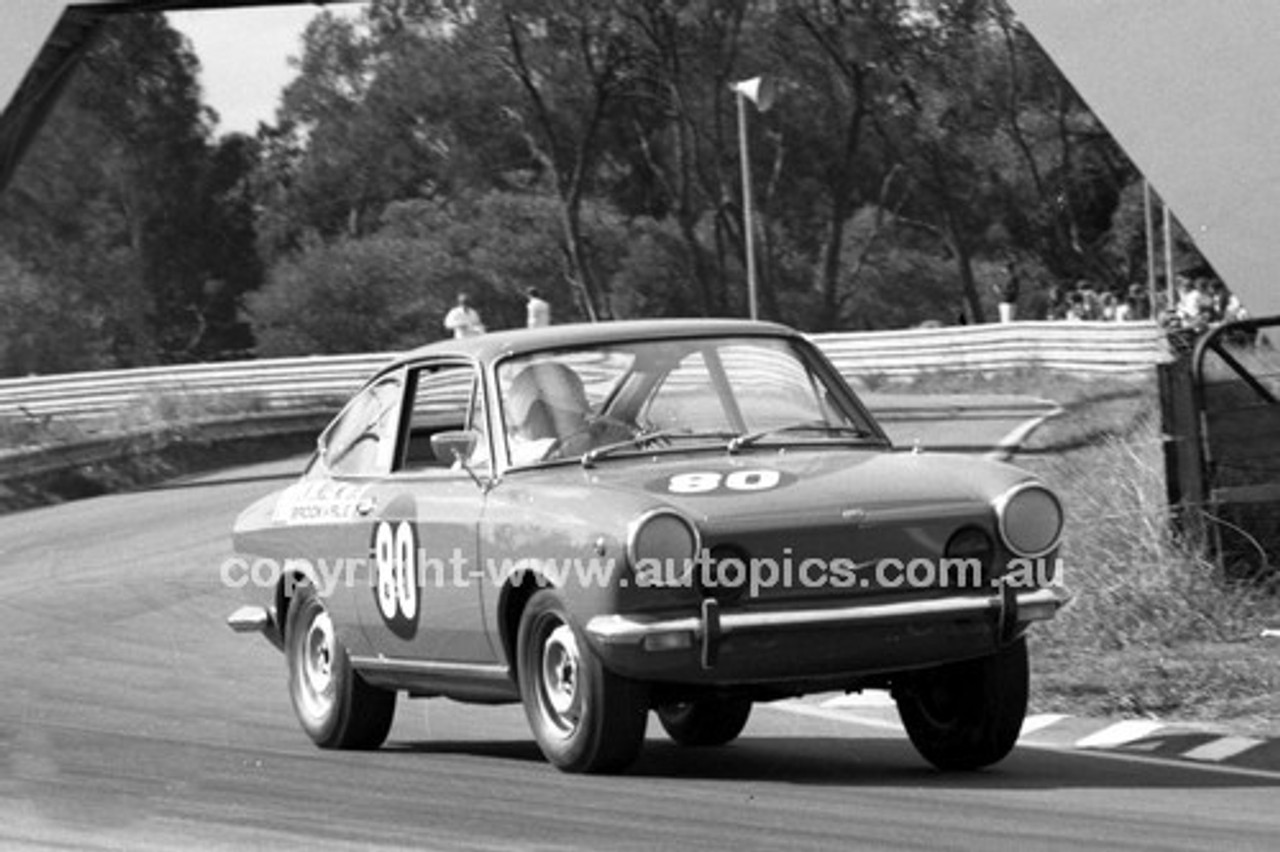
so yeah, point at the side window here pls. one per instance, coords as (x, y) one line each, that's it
(361, 442)
(444, 399)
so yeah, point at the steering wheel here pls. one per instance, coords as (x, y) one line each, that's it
(599, 432)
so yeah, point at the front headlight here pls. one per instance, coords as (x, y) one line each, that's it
(1030, 518)
(663, 540)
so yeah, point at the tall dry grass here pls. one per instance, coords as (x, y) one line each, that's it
(1136, 582)
(1156, 628)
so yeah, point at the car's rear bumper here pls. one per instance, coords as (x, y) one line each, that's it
(256, 619)
(769, 644)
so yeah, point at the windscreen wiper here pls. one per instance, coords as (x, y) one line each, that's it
(747, 439)
(590, 457)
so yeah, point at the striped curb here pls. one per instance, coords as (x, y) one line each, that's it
(1195, 743)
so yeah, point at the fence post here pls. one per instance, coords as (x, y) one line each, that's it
(1183, 449)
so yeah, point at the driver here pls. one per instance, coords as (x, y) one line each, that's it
(549, 416)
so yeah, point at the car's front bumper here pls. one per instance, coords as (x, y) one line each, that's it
(766, 644)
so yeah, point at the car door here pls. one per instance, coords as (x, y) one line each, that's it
(423, 599)
(327, 514)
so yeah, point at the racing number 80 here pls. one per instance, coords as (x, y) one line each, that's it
(739, 480)
(394, 551)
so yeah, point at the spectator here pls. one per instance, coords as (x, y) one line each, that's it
(462, 319)
(1193, 307)
(1234, 311)
(1139, 304)
(1223, 305)
(537, 310)
(1090, 302)
(1007, 293)
(1107, 307)
(1076, 307)
(1125, 309)
(1057, 308)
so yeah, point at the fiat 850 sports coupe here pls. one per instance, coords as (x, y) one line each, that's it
(684, 517)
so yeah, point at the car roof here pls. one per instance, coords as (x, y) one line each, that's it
(491, 346)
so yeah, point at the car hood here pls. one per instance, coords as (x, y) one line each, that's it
(773, 487)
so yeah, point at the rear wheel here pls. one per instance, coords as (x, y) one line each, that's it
(967, 715)
(335, 706)
(584, 717)
(706, 722)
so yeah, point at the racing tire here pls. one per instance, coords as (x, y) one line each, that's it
(335, 706)
(967, 715)
(584, 717)
(707, 722)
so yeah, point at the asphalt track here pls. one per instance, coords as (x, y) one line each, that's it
(132, 718)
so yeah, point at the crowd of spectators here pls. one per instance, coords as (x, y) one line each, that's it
(1084, 302)
(1198, 304)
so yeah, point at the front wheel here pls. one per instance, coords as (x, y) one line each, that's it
(335, 706)
(584, 717)
(707, 722)
(966, 715)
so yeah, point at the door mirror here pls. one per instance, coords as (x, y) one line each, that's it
(455, 445)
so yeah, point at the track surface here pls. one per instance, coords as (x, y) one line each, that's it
(131, 718)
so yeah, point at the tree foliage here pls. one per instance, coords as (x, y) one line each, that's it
(915, 148)
(128, 238)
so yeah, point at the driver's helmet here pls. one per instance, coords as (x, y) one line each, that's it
(546, 400)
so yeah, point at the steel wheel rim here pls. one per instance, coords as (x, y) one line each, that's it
(560, 669)
(316, 667)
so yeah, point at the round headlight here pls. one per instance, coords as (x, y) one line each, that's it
(663, 540)
(1030, 519)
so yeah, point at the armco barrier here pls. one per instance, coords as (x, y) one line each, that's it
(1076, 347)
(276, 383)
(291, 384)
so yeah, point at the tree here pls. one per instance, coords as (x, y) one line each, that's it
(572, 61)
(390, 289)
(351, 295)
(108, 208)
(399, 104)
(844, 62)
(675, 132)
(230, 262)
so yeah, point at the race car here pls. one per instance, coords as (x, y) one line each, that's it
(679, 516)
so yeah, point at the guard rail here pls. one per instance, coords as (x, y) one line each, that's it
(309, 383)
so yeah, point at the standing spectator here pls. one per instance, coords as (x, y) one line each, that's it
(1007, 293)
(1218, 299)
(1193, 304)
(1123, 310)
(1090, 303)
(1076, 310)
(1107, 306)
(462, 319)
(1234, 310)
(537, 310)
(1139, 303)
(1057, 307)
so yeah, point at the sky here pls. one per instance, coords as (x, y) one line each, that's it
(244, 56)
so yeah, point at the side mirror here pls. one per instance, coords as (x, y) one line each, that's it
(455, 445)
